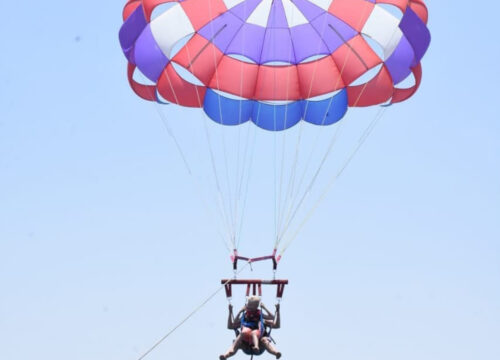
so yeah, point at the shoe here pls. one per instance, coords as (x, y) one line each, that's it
(222, 357)
(278, 355)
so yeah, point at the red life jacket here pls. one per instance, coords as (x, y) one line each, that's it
(252, 319)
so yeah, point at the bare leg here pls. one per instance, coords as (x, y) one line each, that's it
(270, 348)
(233, 349)
(255, 340)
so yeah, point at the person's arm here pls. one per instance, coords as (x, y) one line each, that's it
(234, 322)
(276, 322)
(268, 315)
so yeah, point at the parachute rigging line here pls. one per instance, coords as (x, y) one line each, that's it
(249, 172)
(292, 179)
(324, 159)
(341, 33)
(222, 206)
(294, 208)
(360, 143)
(190, 315)
(356, 149)
(240, 181)
(197, 186)
(221, 203)
(280, 202)
(171, 134)
(184, 158)
(229, 192)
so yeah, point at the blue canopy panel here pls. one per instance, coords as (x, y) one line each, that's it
(226, 111)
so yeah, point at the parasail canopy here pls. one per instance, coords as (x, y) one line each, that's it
(275, 62)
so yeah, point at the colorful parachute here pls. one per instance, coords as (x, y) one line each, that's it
(274, 62)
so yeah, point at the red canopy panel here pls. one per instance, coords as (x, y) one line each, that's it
(377, 91)
(175, 89)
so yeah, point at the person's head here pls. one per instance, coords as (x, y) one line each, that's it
(253, 303)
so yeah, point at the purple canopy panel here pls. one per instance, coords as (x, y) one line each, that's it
(248, 42)
(333, 31)
(307, 42)
(130, 31)
(277, 16)
(400, 62)
(417, 34)
(222, 30)
(278, 46)
(148, 56)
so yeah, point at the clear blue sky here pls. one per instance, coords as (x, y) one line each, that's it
(104, 245)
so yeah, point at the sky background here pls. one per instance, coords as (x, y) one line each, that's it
(104, 245)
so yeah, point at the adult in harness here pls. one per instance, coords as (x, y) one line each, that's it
(253, 325)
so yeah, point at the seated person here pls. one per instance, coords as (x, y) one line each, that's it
(252, 323)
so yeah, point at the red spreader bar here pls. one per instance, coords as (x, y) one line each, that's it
(275, 259)
(254, 287)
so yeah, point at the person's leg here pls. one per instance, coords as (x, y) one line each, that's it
(233, 349)
(255, 340)
(246, 334)
(270, 348)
